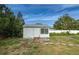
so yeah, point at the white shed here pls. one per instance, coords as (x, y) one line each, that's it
(35, 30)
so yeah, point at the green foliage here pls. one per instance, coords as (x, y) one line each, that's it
(61, 34)
(66, 23)
(10, 25)
(9, 41)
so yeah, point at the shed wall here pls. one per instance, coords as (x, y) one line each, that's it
(33, 32)
(30, 32)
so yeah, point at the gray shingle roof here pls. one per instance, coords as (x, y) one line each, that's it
(35, 26)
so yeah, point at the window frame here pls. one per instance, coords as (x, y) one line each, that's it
(44, 31)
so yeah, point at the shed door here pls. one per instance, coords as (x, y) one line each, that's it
(36, 32)
(29, 32)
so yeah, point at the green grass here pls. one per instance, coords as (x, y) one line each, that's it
(65, 39)
(19, 46)
(8, 41)
(59, 50)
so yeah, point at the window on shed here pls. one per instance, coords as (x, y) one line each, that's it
(44, 31)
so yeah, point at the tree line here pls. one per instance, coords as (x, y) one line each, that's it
(10, 25)
(66, 22)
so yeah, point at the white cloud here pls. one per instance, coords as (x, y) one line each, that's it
(69, 5)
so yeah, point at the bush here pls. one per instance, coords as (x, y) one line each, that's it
(77, 33)
(60, 34)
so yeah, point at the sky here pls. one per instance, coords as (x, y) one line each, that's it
(44, 13)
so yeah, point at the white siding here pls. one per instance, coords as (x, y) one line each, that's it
(33, 32)
(44, 35)
(30, 32)
(36, 32)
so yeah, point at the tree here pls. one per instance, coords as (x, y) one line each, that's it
(4, 19)
(19, 22)
(65, 23)
(19, 15)
(77, 25)
(10, 25)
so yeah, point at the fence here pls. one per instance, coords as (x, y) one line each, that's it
(64, 31)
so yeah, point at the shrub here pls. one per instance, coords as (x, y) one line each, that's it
(60, 34)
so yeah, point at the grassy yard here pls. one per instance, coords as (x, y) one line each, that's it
(19, 46)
